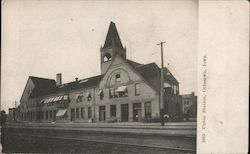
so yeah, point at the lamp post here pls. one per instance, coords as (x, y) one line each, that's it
(162, 85)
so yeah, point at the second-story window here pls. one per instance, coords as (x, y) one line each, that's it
(118, 92)
(175, 89)
(79, 98)
(89, 97)
(117, 78)
(137, 89)
(113, 93)
(100, 94)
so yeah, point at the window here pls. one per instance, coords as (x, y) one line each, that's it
(107, 57)
(147, 110)
(42, 115)
(168, 90)
(89, 98)
(137, 89)
(77, 113)
(118, 92)
(50, 114)
(79, 98)
(117, 78)
(100, 94)
(186, 102)
(47, 115)
(82, 113)
(175, 90)
(112, 110)
(113, 93)
(89, 112)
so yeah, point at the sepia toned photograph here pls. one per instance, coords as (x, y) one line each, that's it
(99, 76)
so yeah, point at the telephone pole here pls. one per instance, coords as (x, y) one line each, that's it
(162, 86)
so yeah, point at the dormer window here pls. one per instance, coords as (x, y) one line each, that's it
(107, 57)
(117, 78)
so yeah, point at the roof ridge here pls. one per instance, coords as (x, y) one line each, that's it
(41, 78)
(83, 79)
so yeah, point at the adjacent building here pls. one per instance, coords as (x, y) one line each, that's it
(125, 91)
(189, 106)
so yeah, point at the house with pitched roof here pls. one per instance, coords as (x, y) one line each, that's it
(126, 91)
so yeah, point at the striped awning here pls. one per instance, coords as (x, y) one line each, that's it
(61, 112)
(99, 92)
(121, 89)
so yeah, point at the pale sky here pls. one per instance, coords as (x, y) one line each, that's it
(43, 38)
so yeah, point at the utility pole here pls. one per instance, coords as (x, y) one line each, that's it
(162, 85)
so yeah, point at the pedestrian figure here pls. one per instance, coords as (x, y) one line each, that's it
(165, 117)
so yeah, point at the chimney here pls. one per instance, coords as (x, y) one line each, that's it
(58, 79)
(76, 79)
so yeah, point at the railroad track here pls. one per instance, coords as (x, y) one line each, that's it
(135, 145)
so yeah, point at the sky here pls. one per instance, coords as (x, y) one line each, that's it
(43, 38)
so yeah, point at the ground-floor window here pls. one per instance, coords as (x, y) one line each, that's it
(82, 113)
(72, 114)
(112, 110)
(77, 113)
(47, 115)
(89, 112)
(137, 115)
(148, 109)
(42, 115)
(50, 114)
(54, 115)
(102, 113)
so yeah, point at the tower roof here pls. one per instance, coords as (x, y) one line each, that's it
(112, 38)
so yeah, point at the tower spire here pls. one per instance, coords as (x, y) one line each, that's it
(112, 38)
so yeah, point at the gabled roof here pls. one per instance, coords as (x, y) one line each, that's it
(132, 63)
(83, 83)
(112, 38)
(151, 73)
(42, 85)
(42, 82)
(47, 86)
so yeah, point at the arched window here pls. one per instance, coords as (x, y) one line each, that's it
(107, 57)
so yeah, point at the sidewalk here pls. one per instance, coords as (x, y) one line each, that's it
(171, 129)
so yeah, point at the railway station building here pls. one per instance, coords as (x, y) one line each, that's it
(125, 91)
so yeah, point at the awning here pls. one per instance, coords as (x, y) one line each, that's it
(87, 94)
(42, 101)
(79, 95)
(51, 100)
(121, 89)
(99, 92)
(47, 100)
(166, 85)
(65, 97)
(60, 98)
(57, 98)
(61, 112)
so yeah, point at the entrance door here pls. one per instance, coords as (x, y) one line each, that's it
(137, 112)
(102, 114)
(72, 114)
(124, 112)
